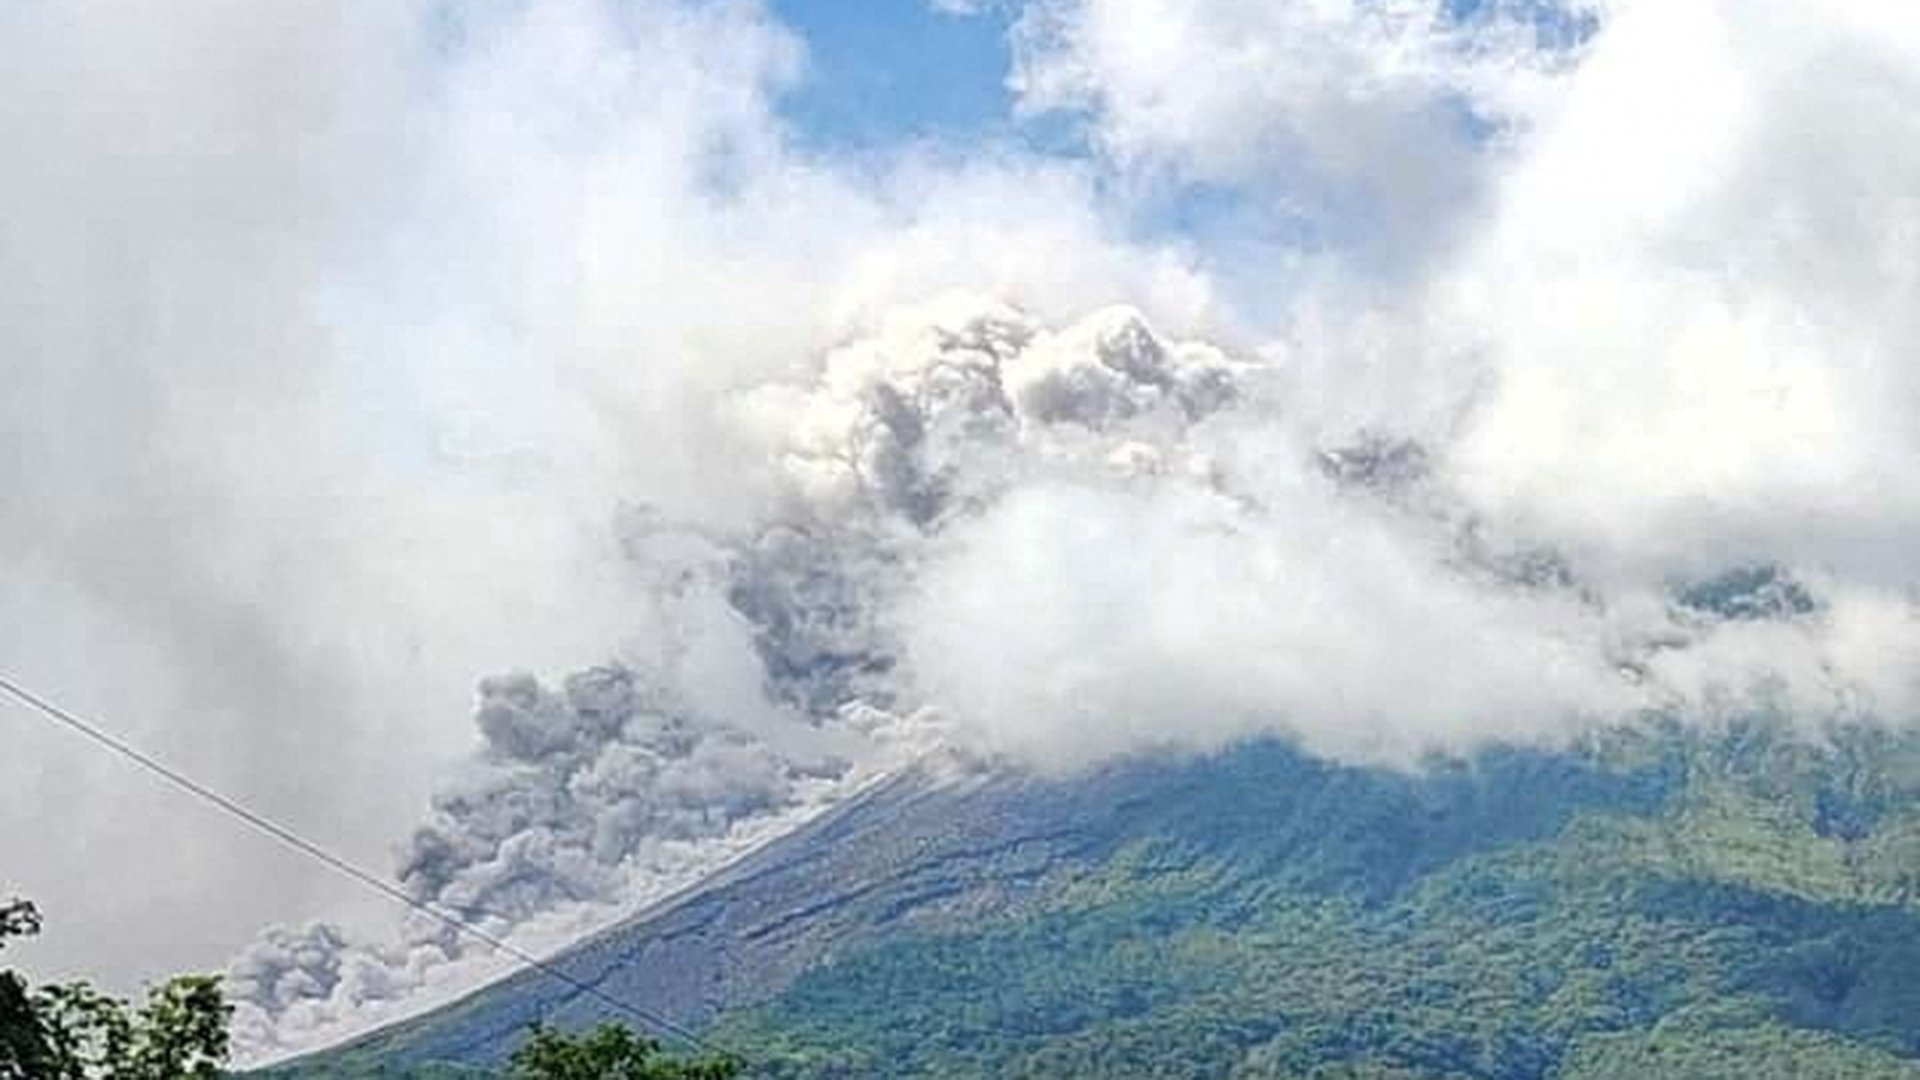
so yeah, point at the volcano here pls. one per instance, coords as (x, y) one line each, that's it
(1658, 900)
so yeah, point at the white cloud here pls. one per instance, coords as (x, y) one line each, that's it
(1700, 325)
(1378, 119)
(1080, 621)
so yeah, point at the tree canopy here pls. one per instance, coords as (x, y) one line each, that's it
(74, 1032)
(609, 1052)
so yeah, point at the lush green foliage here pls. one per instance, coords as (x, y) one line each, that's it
(23, 1039)
(609, 1052)
(74, 1032)
(1757, 919)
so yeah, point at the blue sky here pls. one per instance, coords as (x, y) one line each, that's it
(885, 71)
(882, 73)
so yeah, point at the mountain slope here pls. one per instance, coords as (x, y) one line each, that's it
(1657, 901)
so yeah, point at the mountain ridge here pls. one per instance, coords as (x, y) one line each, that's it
(1259, 912)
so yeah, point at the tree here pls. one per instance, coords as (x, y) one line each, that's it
(74, 1032)
(609, 1052)
(24, 1050)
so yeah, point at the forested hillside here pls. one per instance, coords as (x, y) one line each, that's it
(1657, 902)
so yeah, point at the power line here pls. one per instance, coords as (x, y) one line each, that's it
(340, 865)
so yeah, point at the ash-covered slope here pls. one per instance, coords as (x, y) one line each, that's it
(918, 852)
(1740, 901)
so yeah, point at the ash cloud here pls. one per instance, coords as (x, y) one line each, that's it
(584, 803)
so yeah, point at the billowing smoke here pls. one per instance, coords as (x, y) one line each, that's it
(583, 804)
(631, 780)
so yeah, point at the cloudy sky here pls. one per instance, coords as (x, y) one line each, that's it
(1043, 380)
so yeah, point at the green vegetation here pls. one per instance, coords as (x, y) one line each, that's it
(609, 1052)
(1756, 919)
(74, 1032)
